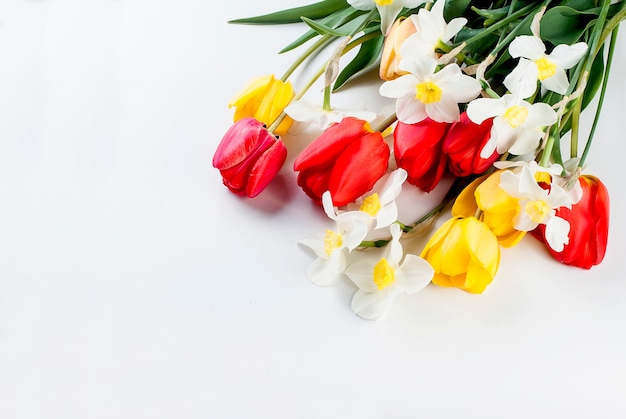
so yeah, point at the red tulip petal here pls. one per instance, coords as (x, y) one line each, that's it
(266, 167)
(237, 144)
(330, 143)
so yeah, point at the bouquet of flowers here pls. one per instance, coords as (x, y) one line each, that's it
(487, 103)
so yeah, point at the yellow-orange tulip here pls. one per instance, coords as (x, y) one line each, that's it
(390, 57)
(464, 253)
(264, 98)
(498, 208)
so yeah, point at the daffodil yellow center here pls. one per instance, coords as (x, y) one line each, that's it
(427, 92)
(371, 205)
(515, 115)
(545, 67)
(543, 177)
(384, 275)
(332, 241)
(537, 210)
(383, 2)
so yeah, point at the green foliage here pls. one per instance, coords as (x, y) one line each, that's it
(312, 11)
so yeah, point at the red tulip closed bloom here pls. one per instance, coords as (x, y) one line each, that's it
(589, 226)
(418, 150)
(248, 157)
(346, 159)
(463, 144)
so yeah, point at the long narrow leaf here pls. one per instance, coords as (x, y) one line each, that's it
(368, 55)
(312, 11)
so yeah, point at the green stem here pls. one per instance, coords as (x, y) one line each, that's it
(386, 123)
(321, 43)
(602, 95)
(319, 73)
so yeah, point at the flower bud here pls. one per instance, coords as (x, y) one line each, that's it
(464, 253)
(264, 98)
(418, 150)
(463, 144)
(390, 57)
(589, 226)
(346, 159)
(248, 157)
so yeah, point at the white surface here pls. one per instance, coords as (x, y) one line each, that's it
(134, 285)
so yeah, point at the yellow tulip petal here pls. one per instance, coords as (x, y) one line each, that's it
(256, 87)
(465, 203)
(441, 280)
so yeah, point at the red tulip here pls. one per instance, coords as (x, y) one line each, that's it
(418, 150)
(589, 226)
(346, 159)
(463, 144)
(248, 157)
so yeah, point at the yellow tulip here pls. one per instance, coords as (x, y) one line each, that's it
(498, 209)
(264, 98)
(464, 253)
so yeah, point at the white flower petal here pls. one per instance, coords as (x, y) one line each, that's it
(567, 56)
(362, 4)
(421, 67)
(362, 274)
(323, 272)
(398, 87)
(558, 197)
(392, 186)
(557, 232)
(522, 81)
(315, 242)
(526, 141)
(414, 274)
(444, 110)
(539, 115)
(394, 250)
(327, 204)
(373, 305)
(527, 46)
(388, 14)
(354, 226)
(410, 110)
(452, 28)
(478, 110)
(386, 215)
(558, 83)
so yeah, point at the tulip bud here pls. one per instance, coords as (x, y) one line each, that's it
(264, 99)
(589, 226)
(418, 150)
(346, 159)
(464, 253)
(248, 157)
(390, 57)
(463, 144)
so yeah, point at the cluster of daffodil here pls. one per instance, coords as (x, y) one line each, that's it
(490, 117)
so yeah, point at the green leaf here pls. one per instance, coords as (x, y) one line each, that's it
(455, 8)
(348, 29)
(368, 54)
(595, 78)
(333, 20)
(312, 11)
(564, 25)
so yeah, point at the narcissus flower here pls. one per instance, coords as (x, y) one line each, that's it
(431, 31)
(464, 253)
(517, 125)
(463, 144)
(538, 205)
(549, 68)
(264, 98)
(332, 245)
(589, 221)
(320, 118)
(387, 9)
(346, 159)
(248, 157)
(424, 93)
(418, 150)
(381, 281)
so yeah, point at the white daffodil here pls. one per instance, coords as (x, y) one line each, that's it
(387, 9)
(381, 281)
(317, 116)
(431, 30)
(423, 93)
(517, 125)
(380, 202)
(332, 245)
(538, 205)
(549, 68)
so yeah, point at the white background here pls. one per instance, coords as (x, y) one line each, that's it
(134, 285)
